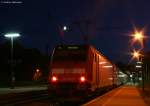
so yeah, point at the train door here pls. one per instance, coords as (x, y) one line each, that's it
(94, 71)
(97, 70)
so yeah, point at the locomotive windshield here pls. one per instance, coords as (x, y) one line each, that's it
(70, 53)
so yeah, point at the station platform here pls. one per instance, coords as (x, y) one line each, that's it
(123, 96)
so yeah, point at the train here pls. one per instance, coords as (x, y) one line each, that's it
(80, 69)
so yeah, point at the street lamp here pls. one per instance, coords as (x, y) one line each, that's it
(12, 36)
(136, 54)
(139, 37)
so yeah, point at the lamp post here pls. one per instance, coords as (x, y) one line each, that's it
(136, 55)
(12, 36)
(139, 37)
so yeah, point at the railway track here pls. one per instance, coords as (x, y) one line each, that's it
(75, 101)
(41, 97)
(21, 98)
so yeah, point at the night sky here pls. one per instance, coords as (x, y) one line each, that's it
(109, 23)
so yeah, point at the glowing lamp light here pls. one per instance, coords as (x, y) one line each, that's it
(136, 54)
(82, 79)
(138, 35)
(64, 28)
(9, 35)
(54, 79)
(37, 70)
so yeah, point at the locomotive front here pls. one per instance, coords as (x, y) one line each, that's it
(68, 70)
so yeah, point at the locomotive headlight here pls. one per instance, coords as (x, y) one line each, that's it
(54, 79)
(82, 79)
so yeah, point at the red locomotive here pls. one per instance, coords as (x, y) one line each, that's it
(80, 68)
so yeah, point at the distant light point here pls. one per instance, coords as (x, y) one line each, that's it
(64, 28)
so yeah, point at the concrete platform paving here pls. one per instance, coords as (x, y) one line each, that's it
(123, 96)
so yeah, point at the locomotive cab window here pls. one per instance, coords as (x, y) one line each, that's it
(70, 53)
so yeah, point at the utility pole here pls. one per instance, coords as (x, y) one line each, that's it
(83, 26)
